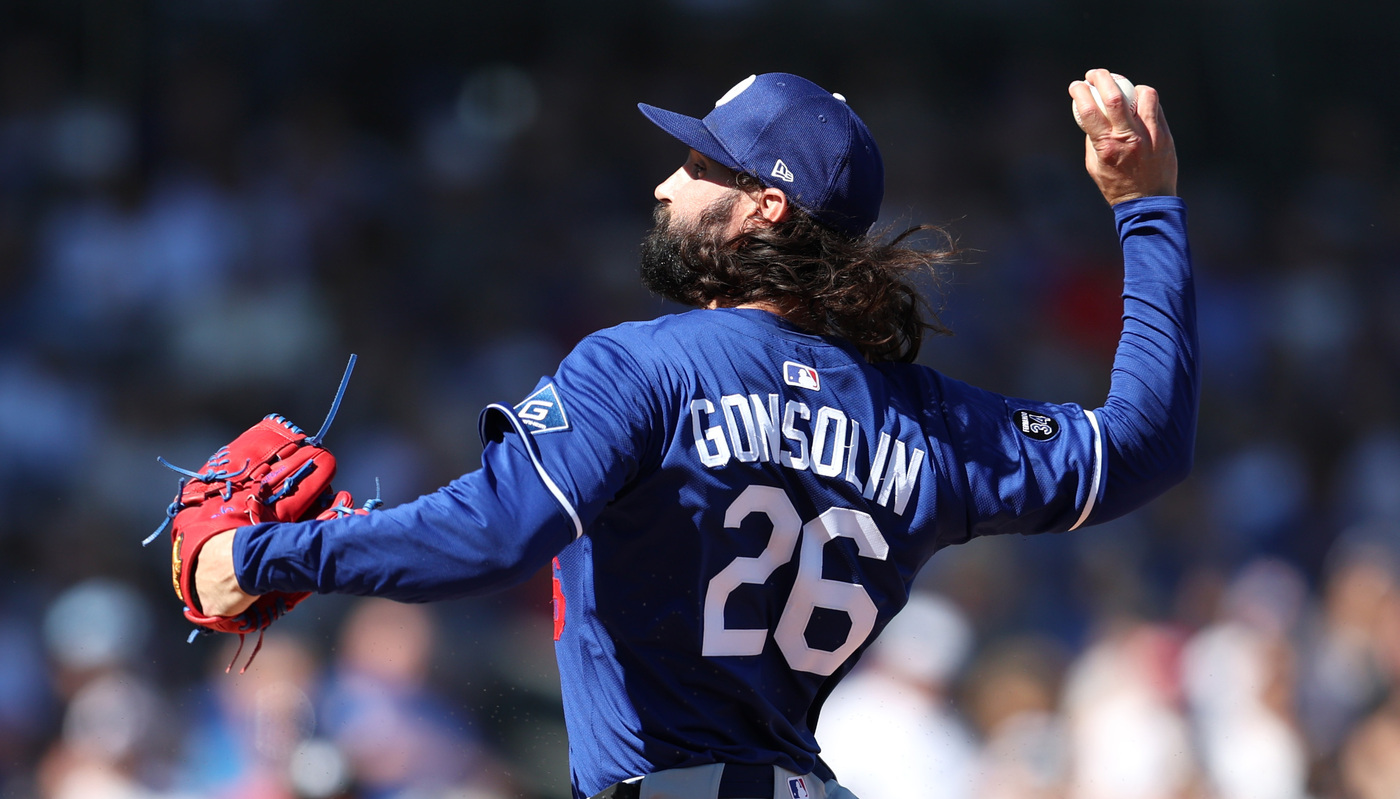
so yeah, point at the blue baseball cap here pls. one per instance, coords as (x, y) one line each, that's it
(794, 136)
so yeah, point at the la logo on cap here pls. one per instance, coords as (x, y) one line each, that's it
(737, 89)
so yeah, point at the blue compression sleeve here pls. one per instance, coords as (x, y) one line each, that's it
(1149, 419)
(485, 531)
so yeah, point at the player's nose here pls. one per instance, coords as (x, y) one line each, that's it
(666, 189)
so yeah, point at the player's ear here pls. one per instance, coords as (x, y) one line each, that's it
(772, 205)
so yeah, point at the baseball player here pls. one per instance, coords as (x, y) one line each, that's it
(736, 499)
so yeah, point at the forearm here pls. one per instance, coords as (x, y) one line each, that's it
(1149, 419)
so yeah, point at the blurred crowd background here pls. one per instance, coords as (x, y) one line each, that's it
(207, 205)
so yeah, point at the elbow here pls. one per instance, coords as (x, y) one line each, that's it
(1169, 463)
(1151, 444)
(511, 559)
(1142, 468)
(1182, 456)
(1179, 469)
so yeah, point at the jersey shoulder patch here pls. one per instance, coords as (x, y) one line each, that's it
(543, 411)
(1035, 426)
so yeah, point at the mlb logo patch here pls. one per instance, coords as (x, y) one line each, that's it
(543, 411)
(797, 786)
(795, 374)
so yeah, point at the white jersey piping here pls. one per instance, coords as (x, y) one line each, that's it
(539, 467)
(1098, 470)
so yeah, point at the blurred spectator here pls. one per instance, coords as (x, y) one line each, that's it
(400, 736)
(1013, 697)
(890, 729)
(244, 729)
(1258, 497)
(1370, 765)
(113, 743)
(1364, 484)
(1127, 734)
(109, 731)
(1239, 675)
(1348, 666)
(50, 421)
(95, 628)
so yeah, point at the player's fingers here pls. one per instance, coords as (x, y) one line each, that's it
(1149, 109)
(1086, 111)
(1115, 104)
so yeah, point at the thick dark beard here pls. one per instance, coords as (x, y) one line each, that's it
(670, 259)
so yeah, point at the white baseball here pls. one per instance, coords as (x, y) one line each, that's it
(1124, 85)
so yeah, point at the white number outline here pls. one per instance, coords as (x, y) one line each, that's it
(809, 591)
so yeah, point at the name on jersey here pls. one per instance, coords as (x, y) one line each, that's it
(754, 428)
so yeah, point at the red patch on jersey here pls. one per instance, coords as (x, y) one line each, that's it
(559, 603)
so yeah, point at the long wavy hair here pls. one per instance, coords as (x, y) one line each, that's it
(823, 281)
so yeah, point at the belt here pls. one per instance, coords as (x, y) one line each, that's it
(736, 782)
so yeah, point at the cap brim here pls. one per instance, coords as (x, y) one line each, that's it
(690, 132)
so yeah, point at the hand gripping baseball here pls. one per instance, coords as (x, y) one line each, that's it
(272, 472)
(1128, 150)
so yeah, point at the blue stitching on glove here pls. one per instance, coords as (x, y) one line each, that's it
(209, 476)
(291, 482)
(285, 422)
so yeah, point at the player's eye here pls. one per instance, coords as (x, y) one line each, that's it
(698, 168)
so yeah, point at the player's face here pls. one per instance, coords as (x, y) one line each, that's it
(694, 188)
(697, 209)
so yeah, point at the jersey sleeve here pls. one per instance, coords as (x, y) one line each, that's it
(492, 527)
(1149, 420)
(1027, 467)
(593, 427)
(1033, 467)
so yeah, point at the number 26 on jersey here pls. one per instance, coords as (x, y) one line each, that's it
(810, 591)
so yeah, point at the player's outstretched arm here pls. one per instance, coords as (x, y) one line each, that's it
(1127, 151)
(484, 531)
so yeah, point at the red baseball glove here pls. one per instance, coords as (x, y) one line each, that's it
(272, 472)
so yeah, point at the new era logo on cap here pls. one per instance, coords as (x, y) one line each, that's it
(543, 411)
(795, 374)
(781, 171)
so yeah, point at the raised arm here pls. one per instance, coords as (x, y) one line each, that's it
(1035, 467)
(1149, 420)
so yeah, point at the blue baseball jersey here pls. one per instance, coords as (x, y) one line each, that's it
(734, 509)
